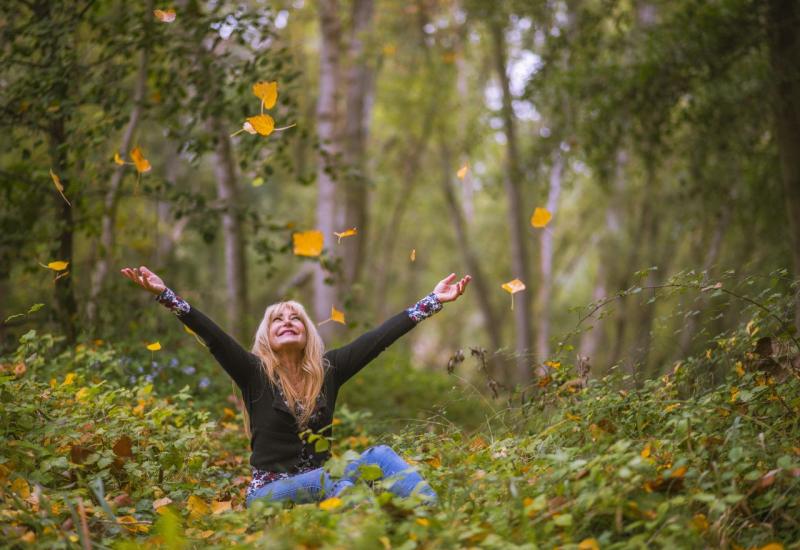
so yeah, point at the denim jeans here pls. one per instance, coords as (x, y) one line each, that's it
(317, 484)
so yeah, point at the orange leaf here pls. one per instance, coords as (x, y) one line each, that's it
(679, 472)
(142, 164)
(646, 451)
(337, 316)
(541, 217)
(59, 186)
(462, 172)
(308, 243)
(589, 544)
(346, 233)
(267, 92)
(165, 16)
(263, 124)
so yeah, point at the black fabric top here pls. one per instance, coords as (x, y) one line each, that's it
(275, 441)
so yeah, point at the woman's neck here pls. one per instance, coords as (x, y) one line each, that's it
(291, 361)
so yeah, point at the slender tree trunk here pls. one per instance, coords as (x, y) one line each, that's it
(546, 260)
(235, 256)
(783, 22)
(512, 183)
(329, 150)
(468, 255)
(111, 199)
(360, 93)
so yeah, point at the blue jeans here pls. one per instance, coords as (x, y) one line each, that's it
(317, 484)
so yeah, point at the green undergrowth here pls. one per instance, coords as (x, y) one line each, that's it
(705, 456)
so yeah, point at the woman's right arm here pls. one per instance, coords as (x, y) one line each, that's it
(240, 364)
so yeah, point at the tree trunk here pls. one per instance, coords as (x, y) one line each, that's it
(512, 183)
(329, 149)
(235, 259)
(783, 21)
(111, 199)
(360, 94)
(546, 260)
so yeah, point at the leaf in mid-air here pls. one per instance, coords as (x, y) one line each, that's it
(165, 16)
(337, 316)
(142, 164)
(155, 346)
(512, 287)
(541, 217)
(59, 186)
(267, 92)
(346, 233)
(308, 243)
(462, 172)
(263, 124)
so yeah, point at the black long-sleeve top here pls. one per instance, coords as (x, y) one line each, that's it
(275, 441)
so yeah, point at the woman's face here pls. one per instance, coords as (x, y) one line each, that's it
(287, 331)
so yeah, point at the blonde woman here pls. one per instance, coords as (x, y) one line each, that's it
(290, 384)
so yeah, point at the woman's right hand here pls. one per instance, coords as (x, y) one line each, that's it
(144, 278)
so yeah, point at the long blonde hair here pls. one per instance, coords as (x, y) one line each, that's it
(312, 369)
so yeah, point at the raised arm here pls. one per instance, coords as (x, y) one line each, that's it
(240, 364)
(353, 357)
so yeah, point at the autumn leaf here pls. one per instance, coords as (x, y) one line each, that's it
(258, 182)
(263, 124)
(541, 217)
(337, 316)
(142, 164)
(679, 472)
(308, 243)
(267, 92)
(330, 504)
(413, 256)
(133, 525)
(423, 521)
(21, 488)
(512, 287)
(118, 160)
(646, 451)
(197, 507)
(155, 346)
(589, 544)
(123, 447)
(217, 507)
(69, 379)
(462, 172)
(165, 16)
(346, 233)
(59, 186)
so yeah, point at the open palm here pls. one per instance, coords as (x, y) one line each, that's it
(447, 290)
(144, 278)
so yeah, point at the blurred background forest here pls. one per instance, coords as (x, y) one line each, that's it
(663, 137)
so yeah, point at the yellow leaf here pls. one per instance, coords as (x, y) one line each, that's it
(739, 368)
(161, 502)
(646, 451)
(330, 504)
(57, 266)
(541, 217)
(389, 50)
(118, 159)
(462, 172)
(132, 525)
(29, 537)
(346, 233)
(155, 346)
(413, 254)
(700, 522)
(772, 546)
(69, 379)
(308, 243)
(734, 394)
(59, 186)
(263, 124)
(671, 407)
(165, 16)
(337, 316)
(142, 164)
(21, 487)
(423, 521)
(197, 507)
(512, 287)
(589, 544)
(679, 472)
(82, 394)
(258, 182)
(553, 364)
(434, 462)
(267, 92)
(219, 506)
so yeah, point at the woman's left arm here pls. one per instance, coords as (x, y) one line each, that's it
(353, 357)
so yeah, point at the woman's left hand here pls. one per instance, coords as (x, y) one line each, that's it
(447, 291)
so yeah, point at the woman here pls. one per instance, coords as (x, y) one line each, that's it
(290, 384)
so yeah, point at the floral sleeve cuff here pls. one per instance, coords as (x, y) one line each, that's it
(173, 302)
(423, 309)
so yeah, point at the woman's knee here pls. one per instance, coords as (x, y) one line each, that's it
(382, 450)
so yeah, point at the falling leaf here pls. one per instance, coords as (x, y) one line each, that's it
(118, 160)
(330, 504)
(512, 287)
(165, 16)
(161, 502)
(462, 172)
(59, 186)
(263, 124)
(217, 507)
(258, 182)
(346, 233)
(197, 507)
(308, 243)
(423, 521)
(337, 316)
(155, 346)
(142, 164)
(196, 337)
(267, 92)
(541, 217)
(413, 255)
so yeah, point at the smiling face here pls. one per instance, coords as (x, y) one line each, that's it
(286, 330)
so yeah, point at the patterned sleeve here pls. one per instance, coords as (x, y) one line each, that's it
(423, 309)
(173, 302)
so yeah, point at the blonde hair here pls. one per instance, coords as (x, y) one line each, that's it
(312, 369)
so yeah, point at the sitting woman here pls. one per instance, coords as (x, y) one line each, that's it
(290, 384)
